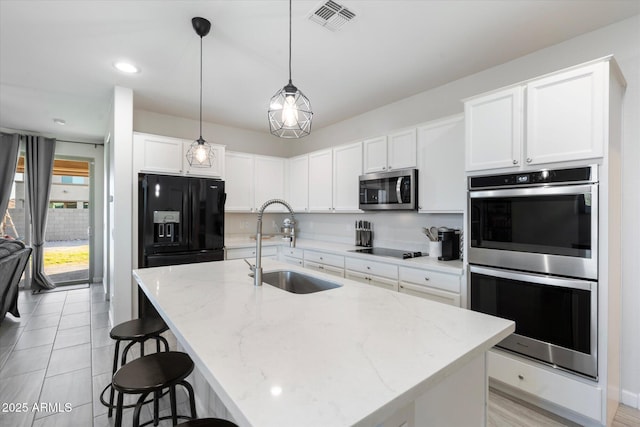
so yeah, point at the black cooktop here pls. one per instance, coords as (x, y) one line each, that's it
(393, 253)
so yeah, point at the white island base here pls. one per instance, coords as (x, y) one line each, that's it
(356, 355)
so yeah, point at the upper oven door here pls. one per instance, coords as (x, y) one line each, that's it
(550, 230)
(395, 190)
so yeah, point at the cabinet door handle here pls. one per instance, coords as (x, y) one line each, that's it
(368, 268)
(426, 279)
(520, 376)
(384, 168)
(528, 159)
(515, 162)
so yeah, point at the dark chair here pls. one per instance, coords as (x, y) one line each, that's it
(207, 422)
(136, 331)
(151, 374)
(13, 260)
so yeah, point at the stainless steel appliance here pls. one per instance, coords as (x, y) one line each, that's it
(556, 317)
(544, 221)
(533, 256)
(396, 190)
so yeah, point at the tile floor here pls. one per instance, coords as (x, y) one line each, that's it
(57, 358)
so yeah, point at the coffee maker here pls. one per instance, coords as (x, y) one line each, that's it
(450, 244)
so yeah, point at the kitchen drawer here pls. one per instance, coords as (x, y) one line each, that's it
(432, 294)
(372, 267)
(239, 253)
(291, 260)
(324, 258)
(292, 252)
(334, 271)
(381, 282)
(574, 394)
(430, 278)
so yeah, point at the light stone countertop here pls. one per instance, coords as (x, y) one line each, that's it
(346, 356)
(453, 267)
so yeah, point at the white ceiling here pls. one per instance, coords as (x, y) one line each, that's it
(56, 56)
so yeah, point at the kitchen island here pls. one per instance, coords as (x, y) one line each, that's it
(354, 355)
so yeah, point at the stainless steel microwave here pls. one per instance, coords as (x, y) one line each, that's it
(395, 190)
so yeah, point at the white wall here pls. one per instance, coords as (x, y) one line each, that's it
(235, 139)
(121, 285)
(623, 41)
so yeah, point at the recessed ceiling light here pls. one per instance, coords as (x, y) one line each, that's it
(126, 67)
(59, 122)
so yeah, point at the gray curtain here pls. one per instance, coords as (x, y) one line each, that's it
(9, 145)
(39, 168)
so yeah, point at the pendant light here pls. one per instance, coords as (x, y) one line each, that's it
(289, 110)
(200, 153)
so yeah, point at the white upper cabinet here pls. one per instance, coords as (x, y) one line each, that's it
(556, 118)
(321, 181)
(566, 115)
(494, 130)
(396, 151)
(269, 181)
(347, 168)
(375, 154)
(298, 183)
(441, 177)
(252, 180)
(166, 155)
(401, 150)
(239, 182)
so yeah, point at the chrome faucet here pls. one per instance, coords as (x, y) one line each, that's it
(257, 268)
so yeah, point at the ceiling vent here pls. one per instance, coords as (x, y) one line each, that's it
(331, 15)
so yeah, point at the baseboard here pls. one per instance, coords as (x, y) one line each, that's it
(630, 399)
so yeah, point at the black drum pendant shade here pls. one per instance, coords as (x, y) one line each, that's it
(289, 110)
(200, 153)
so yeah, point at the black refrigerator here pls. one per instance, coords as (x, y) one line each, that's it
(181, 221)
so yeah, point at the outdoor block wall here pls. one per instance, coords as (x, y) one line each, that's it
(62, 224)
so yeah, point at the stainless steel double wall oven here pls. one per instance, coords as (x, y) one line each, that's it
(533, 255)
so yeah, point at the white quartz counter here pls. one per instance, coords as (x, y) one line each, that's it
(346, 356)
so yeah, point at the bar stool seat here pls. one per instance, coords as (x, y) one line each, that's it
(151, 374)
(136, 331)
(208, 422)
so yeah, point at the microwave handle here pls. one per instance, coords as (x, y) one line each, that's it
(399, 189)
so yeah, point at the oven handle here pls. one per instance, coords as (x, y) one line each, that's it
(540, 279)
(535, 191)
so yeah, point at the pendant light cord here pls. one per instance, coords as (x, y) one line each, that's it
(289, 41)
(200, 88)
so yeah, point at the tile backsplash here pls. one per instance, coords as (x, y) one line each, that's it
(395, 230)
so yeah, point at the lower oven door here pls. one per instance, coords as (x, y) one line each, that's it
(556, 318)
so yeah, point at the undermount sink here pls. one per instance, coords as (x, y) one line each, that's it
(297, 283)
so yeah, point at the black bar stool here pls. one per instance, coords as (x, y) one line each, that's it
(208, 422)
(136, 331)
(151, 374)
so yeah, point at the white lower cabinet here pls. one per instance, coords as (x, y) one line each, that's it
(581, 396)
(292, 256)
(370, 279)
(372, 272)
(324, 262)
(429, 284)
(240, 253)
(329, 269)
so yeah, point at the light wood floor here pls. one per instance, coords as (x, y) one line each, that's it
(506, 411)
(59, 350)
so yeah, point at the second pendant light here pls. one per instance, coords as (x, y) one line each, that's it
(289, 110)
